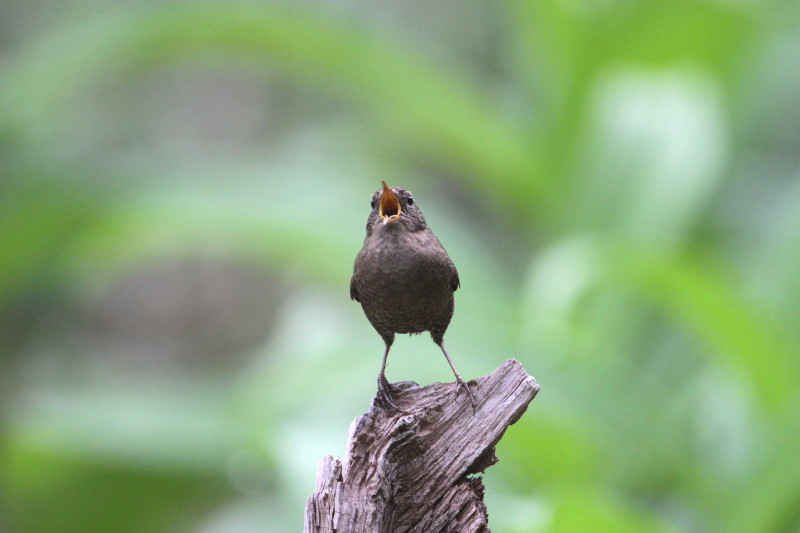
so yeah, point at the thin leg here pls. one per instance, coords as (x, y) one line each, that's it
(459, 382)
(384, 392)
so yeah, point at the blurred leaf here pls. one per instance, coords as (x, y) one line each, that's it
(564, 48)
(438, 111)
(770, 502)
(540, 452)
(706, 300)
(584, 511)
(184, 430)
(35, 232)
(48, 493)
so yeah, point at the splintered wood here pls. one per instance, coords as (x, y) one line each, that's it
(413, 470)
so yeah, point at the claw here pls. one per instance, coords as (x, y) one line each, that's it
(461, 383)
(385, 395)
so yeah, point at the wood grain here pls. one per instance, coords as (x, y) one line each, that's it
(414, 471)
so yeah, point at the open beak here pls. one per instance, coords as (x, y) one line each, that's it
(389, 207)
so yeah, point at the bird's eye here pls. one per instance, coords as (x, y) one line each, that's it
(410, 201)
(373, 203)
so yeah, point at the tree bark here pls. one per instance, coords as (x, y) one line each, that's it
(413, 471)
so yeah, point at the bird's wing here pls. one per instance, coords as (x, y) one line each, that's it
(353, 289)
(455, 283)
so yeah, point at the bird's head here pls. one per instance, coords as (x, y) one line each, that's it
(394, 209)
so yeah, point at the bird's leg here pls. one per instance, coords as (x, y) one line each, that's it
(384, 392)
(459, 382)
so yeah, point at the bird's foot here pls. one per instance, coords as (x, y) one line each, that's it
(460, 383)
(385, 395)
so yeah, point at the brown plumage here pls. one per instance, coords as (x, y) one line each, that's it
(403, 277)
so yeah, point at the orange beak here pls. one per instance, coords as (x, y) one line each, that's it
(389, 207)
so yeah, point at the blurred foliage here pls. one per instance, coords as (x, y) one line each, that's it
(184, 188)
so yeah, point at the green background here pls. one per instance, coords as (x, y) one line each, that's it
(184, 186)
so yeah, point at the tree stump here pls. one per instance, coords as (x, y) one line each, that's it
(412, 471)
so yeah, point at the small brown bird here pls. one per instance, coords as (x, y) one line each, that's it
(404, 278)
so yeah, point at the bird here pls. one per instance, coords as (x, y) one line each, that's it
(404, 279)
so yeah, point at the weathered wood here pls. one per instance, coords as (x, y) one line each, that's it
(412, 471)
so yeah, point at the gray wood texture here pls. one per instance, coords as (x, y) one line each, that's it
(415, 470)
